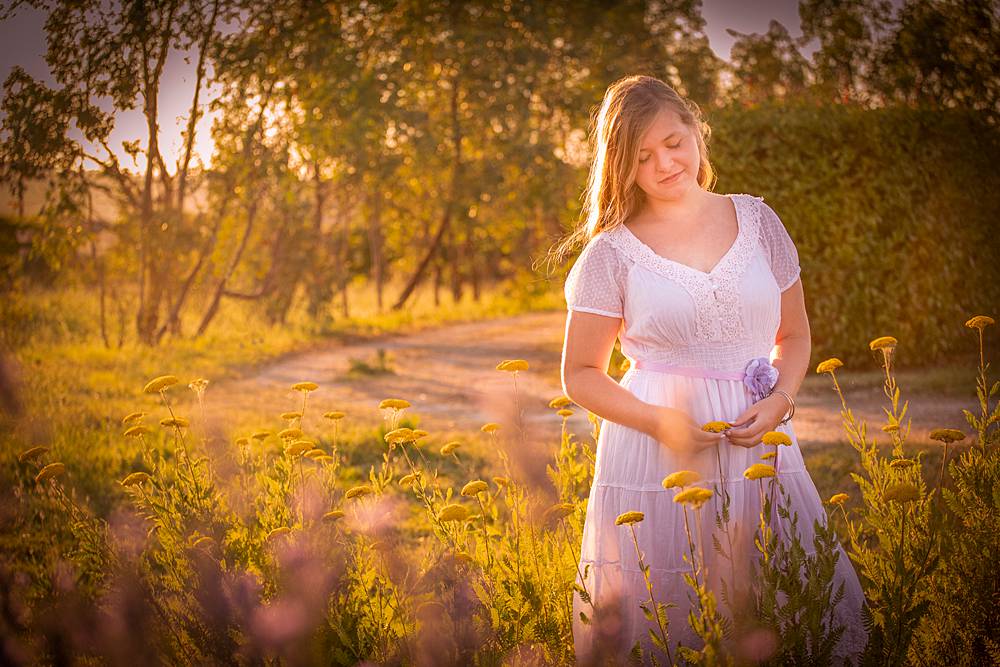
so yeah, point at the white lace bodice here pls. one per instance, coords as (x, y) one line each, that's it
(676, 313)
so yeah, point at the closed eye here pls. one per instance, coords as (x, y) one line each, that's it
(645, 159)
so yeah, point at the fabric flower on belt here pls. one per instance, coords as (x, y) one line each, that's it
(760, 377)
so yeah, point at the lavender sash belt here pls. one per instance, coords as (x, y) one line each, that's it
(759, 376)
(690, 371)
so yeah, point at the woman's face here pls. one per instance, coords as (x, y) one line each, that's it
(668, 158)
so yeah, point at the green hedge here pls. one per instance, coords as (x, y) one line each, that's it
(894, 213)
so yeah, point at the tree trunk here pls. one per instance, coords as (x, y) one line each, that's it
(375, 245)
(455, 264)
(418, 273)
(437, 282)
(194, 114)
(213, 306)
(473, 266)
(151, 263)
(99, 270)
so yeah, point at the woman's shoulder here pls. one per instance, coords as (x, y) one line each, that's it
(602, 250)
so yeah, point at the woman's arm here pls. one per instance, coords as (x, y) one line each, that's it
(793, 346)
(587, 350)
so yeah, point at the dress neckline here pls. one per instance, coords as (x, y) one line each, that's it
(655, 256)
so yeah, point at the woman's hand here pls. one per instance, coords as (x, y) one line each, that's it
(758, 419)
(680, 432)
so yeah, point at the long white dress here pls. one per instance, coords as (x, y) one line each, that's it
(672, 313)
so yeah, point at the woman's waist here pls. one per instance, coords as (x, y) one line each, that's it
(723, 358)
(757, 374)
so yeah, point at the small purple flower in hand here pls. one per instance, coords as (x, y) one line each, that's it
(760, 377)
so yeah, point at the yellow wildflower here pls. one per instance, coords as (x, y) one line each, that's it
(902, 463)
(947, 435)
(883, 342)
(759, 471)
(358, 491)
(156, 385)
(31, 454)
(904, 492)
(393, 403)
(474, 488)
(203, 541)
(179, 422)
(716, 426)
(305, 386)
(419, 433)
(767, 456)
(513, 365)
(838, 499)
(333, 515)
(501, 481)
(278, 532)
(559, 402)
(132, 416)
(449, 447)
(399, 435)
(334, 415)
(136, 431)
(299, 447)
(314, 454)
(490, 427)
(198, 386)
(290, 433)
(326, 458)
(135, 479)
(829, 365)
(288, 416)
(261, 435)
(453, 512)
(628, 518)
(776, 438)
(559, 511)
(49, 471)
(680, 479)
(980, 322)
(696, 496)
(565, 413)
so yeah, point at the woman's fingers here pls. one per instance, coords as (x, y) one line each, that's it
(743, 438)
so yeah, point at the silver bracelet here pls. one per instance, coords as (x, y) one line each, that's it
(791, 402)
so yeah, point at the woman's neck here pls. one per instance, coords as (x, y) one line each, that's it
(680, 210)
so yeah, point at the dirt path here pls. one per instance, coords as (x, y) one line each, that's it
(448, 375)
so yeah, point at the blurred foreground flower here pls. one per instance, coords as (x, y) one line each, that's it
(627, 518)
(759, 471)
(156, 385)
(694, 497)
(829, 365)
(513, 365)
(680, 479)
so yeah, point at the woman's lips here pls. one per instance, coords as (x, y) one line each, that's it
(670, 179)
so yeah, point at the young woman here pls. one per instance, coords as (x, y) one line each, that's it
(703, 290)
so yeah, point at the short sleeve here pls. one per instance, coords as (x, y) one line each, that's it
(595, 283)
(779, 248)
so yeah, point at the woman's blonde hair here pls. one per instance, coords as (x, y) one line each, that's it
(630, 105)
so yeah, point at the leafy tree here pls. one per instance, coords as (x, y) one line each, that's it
(849, 34)
(944, 53)
(767, 66)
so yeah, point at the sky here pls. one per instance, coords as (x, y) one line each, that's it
(22, 42)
